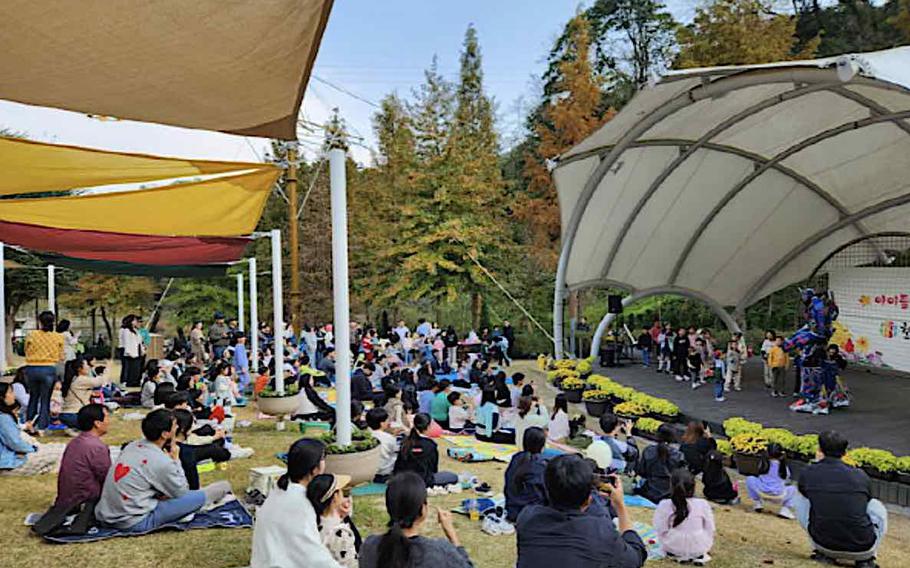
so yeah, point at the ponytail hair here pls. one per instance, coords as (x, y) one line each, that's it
(405, 498)
(304, 458)
(421, 423)
(665, 437)
(533, 442)
(776, 452)
(70, 371)
(682, 487)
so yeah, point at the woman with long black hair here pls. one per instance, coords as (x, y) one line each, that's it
(524, 484)
(655, 465)
(684, 523)
(489, 421)
(132, 349)
(402, 546)
(558, 429)
(286, 533)
(420, 455)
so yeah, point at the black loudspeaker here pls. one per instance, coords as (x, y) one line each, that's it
(614, 304)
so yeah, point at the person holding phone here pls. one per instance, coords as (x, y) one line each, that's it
(625, 451)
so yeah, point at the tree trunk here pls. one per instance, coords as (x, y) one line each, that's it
(110, 332)
(476, 310)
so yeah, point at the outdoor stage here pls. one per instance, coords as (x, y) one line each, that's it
(878, 418)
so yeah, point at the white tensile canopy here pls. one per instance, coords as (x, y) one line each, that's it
(730, 183)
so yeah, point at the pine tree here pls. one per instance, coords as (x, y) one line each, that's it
(565, 118)
(737, 32)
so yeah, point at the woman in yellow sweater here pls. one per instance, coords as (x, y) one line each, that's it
(43, 348)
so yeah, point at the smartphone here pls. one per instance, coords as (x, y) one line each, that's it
(604, 481)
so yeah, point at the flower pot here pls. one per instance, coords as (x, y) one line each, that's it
(643, 434)
(903, 477)
(749, 464)
(598, 408)
(728, 461)
(361, 466)
(872, 472)
(663, 417)
(630, 417)
(278, 405)
(573, 396)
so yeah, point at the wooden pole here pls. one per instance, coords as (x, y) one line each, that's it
(293, 239)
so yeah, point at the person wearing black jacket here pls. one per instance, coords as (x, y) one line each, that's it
(361, 387)
(420, 455)
(696, 444)
(835, 506)
(656, 464)
(680, 355)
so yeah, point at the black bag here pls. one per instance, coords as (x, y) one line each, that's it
(53, 522)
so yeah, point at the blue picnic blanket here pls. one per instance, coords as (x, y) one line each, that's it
(231, 515)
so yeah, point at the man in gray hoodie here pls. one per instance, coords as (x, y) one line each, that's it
(146, 487)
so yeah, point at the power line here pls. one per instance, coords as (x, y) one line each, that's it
(346, 91)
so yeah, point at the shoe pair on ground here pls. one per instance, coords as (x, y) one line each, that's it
(784, 512)
(819, 557)
(495, 523)
(700, 561)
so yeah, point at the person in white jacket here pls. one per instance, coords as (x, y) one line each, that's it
(286, 534)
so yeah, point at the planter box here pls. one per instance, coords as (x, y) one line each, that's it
(749, 464)
(663, 417)
(643, 434)
(573, 396)
(876, 474)
(278, 406)
(628, 417)
(598, 408)
(361, 466)
(902, 477)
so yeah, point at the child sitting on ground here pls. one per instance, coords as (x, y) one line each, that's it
(461, 413)
(717, 484)
(685, 524)
(333, 510)
(379, 423)
(772, 483)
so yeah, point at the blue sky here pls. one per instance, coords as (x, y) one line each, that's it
(370, 48)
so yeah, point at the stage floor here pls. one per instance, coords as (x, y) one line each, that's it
(878, 418)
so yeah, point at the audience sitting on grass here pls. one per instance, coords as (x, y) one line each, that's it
(562, 534)
(524, 479)
(146, 488)
(194, 448)
(20, 454)
(717, 484)
(489, 421)
(78, 384)
(439, 407)
(150, 384)
(685, 524)
(333, 517)
(530, 415)
(419, 454)
(656, 463)
(312, 405)
(558, 428)
(86, 459)
(835, 506)
(403, 546)
(399, 418)
(697, 442)
(461, 413)
(286, 532)
(625, 452)
(772, 484)
(379, 423)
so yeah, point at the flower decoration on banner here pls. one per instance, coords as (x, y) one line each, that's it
(888, 329)
(862, 344)
(865, 300)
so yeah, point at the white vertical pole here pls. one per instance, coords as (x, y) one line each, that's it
(3, 344)
(277, 311)
(254, 318)
(240, 307)
(338, 182)
(51, 289)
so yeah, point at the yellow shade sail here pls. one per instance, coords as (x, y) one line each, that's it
(31, 167)
(226, 206)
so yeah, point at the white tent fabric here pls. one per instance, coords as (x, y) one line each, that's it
(734, 182)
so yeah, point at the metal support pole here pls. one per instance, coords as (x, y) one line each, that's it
(277, 311)
(293, 239)
(241, 310)
(51, 289)
(254, 317)
(340, 288)
(3, 342)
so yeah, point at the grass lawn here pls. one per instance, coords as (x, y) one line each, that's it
(744, 538)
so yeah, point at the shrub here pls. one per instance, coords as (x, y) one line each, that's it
(290, 390)
(785, 438)
(562, 374)
(563, 364)
(601, 382)
(573, 383)
(736, 425)
(806, 445)
(664, 407)
(725, 447)
(595, 395)
(584, 367)
(749, 443)
(649, 425)
(360, 442)
(903, 464)
(881, 460)
(630, 409)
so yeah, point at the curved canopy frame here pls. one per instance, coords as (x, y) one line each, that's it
(781, 133)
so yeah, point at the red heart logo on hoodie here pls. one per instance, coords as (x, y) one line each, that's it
(120, 471)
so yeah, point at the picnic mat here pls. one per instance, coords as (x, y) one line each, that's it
(369, 489)
(499, 452)
(231, 515)
(638, 501)
(468, 455)
(649, 536)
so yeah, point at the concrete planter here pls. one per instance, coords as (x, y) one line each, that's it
(278, 406)
(361, 466)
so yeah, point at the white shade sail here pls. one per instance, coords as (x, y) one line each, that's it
(734, 182)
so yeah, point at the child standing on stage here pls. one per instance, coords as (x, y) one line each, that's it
(778, 361)
(733, 363)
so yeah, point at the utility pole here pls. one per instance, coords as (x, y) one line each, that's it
(293, 238)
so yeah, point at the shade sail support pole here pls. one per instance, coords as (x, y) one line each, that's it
(277, 311)
(51, 288)
(254, 318)
(338, 182)
(3, 342)
(241, 309)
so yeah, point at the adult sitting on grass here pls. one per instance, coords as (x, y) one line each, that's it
(419, 454)
(86, 459)
(835, 506)
(524, 483)
(20, 454)
(286, 533)
(655, 465)
(403, 546)
(146, 488)
(78, 384)
(563, 534)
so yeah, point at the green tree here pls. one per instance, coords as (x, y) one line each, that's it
(113, 296)
(192, 300)
(736, 32)
(850, 26)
